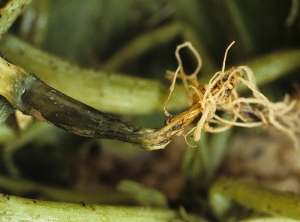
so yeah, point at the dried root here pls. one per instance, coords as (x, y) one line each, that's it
(221, 106)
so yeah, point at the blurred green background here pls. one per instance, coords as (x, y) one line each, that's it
(92, 32)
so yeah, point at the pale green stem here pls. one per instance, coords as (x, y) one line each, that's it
(269, 219)
(10, 12)
(22, 209)
(109, 92)
(253, 196)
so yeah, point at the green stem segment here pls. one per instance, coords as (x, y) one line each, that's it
(253, 196)
(10, 12)
(21, 209)
(107, 91)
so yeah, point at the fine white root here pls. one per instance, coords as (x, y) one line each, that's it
(221, 106)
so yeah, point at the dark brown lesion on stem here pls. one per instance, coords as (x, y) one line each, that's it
(49, 105)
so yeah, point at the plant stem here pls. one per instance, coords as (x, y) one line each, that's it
(21, 209)
(254, 196)
(108, 92)
(10, 12)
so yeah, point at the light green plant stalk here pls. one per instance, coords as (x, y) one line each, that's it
(22, 209)
(269, 219)
(110, 92)
(253, 196)
(10, 12)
